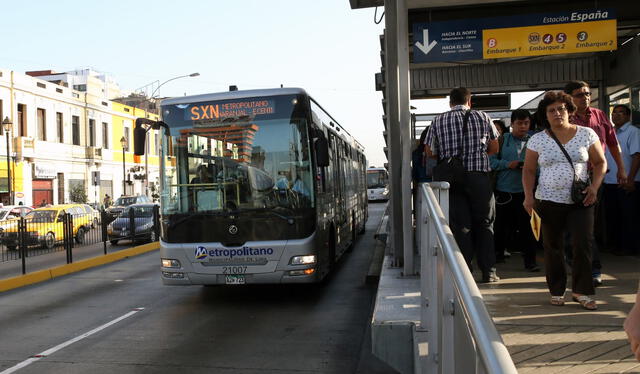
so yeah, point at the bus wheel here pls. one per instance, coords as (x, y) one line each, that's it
(353, 236)
(113, 242)
(332, 251)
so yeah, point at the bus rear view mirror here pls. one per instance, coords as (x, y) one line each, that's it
(140, 133)
(139, 138)
(322, 151)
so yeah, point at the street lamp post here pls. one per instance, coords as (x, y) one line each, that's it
(7, 125)
(169, 80)
(123, 142)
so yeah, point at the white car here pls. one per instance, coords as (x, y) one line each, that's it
(13, 211)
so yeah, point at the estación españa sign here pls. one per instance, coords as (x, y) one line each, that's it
(515, 36)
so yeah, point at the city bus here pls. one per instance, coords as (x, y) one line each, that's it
(257, 186)
(377, 184)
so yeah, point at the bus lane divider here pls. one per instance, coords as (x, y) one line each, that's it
(60, 346)
(58, 271)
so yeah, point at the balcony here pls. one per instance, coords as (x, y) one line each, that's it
(24, 147)
(94, 153)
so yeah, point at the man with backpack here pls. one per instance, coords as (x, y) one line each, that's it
(462, 140)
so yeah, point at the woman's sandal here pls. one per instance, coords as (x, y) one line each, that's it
(585, 301)
(557, 300)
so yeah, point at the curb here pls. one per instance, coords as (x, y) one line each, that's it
(375, 267)
(58, 271)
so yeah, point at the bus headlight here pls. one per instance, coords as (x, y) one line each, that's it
(170, 263)
(303, 260)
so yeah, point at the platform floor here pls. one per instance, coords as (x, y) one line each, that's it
(543, 338)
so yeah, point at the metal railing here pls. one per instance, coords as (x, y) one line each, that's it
(456, 333)
(22, 238)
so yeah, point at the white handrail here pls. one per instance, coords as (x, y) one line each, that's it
(447, 288)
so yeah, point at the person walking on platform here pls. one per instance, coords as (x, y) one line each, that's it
(563, 199)
(621, 200)
(596, 120)
(462, 140)
(511, 220)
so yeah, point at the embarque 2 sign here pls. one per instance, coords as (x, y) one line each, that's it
(515, 36)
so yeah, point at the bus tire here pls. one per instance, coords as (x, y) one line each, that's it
(354, 234)
(331, 264)
(364, 224)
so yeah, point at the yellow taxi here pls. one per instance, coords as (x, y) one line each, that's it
(45, 226)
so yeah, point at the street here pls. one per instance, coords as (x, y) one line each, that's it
(124, 320)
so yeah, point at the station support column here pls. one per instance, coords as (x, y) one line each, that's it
(399, 131)
(393, 131)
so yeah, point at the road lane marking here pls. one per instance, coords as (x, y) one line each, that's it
(58, 347)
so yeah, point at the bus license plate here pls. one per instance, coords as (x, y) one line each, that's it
(234, 279)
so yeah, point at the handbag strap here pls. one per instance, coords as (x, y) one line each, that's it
(464, 130)
(564, 151)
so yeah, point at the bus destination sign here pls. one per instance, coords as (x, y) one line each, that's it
(515, 36)
(220, 110)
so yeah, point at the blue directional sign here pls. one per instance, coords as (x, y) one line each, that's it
(447, 41)
(515, 36)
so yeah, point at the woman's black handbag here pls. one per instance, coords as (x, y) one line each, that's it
(452, 169)
(578, 185)
(576, 190)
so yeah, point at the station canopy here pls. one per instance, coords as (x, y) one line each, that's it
(520, 45)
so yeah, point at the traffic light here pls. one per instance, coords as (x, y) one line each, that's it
(95, 178)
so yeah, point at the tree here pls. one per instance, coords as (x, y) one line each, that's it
(77, 193)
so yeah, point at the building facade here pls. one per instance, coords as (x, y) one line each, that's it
(65, 139)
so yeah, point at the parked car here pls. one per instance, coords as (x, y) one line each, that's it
(13, 211)
(94, 215)
(143, 218)
(45, 226)
(124, 201)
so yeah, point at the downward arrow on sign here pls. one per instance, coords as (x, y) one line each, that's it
(425, 37)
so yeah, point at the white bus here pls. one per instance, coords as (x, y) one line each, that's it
(377, 184)
(259, 186)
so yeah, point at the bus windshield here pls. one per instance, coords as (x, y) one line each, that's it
(377, 178)
(220, 159)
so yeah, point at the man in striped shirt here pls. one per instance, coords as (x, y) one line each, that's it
(472, 206)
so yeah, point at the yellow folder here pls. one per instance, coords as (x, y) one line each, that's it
(535, 224)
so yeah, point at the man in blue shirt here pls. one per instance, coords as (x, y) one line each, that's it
(512, 222)
(621, 201)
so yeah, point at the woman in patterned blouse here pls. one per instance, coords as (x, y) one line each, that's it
(553, 201)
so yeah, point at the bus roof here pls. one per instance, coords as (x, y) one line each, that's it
(233, 95)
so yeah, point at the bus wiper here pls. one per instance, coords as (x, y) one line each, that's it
(290, 220)
(189, 216)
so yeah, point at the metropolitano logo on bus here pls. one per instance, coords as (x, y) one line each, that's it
(202, 253)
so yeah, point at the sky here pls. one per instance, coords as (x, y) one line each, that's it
(323, 46)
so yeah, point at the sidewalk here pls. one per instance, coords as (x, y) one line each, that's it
(542, 338)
